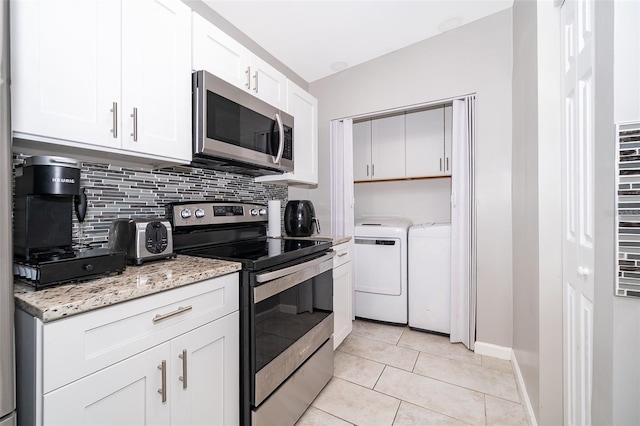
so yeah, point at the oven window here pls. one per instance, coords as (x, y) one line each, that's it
(285, 317)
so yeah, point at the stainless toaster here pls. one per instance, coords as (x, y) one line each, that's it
(142, 239)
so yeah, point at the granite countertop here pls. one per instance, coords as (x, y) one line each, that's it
(335, 240)
(65, 300)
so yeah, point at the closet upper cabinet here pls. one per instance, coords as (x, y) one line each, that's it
(105, 75)
(378, 148)
(221, 55)
(427, 144)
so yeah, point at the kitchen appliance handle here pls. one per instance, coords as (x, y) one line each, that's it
(277, 158)
(283, 279)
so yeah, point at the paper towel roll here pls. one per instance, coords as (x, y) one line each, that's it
(275, 246)
(274, 228)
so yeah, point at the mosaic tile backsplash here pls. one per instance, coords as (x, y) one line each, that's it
(115, 192)
(628, 211)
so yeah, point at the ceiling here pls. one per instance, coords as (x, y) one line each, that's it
(316, 38)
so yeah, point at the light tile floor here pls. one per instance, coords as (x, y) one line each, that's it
(389, 375)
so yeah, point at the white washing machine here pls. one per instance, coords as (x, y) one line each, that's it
(430, 277)
(380, 257)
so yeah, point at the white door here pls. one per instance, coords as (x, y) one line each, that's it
(124, 394)
(342, 303)
(424, 143)
(66, 69)
(206, 374)
(387, 147)
(362, 150)
(304, 109)
(156, 78)
(578, 208)
(448, 123)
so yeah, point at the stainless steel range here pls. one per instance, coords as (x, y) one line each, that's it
(286, 305)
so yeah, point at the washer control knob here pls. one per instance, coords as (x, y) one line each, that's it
(254, 212)
(199, 213)
(263, 212)
(185, 213)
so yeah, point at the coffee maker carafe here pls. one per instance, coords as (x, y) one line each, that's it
(46, 190)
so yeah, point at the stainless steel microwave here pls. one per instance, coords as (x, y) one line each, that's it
(237, 132)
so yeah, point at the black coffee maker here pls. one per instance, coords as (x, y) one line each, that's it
(47, 189)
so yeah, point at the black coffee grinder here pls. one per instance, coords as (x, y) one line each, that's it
(46, 190)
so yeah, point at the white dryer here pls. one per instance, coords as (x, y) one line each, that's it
(430, 277)
(380, 258)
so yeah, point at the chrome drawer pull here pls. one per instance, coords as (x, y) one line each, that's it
(342, 254)
(180, 310)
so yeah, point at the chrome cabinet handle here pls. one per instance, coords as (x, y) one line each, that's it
(367, 170)
(248, 73)
(441, 164)
(255, 81)
(163, 390)
(373, 170)
(183, 378)
(135, 124)
(342, 254)
(180, 310)
(447, 163)
(114, 113)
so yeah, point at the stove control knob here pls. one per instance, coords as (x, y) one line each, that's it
(254, 212)
(185, 213)
(199, 213)
(263, 212)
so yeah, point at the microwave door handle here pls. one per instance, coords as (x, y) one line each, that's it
(277, 158)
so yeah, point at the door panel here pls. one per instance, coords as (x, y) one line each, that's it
(377, 266)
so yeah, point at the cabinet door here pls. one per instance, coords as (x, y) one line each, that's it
(156, 78)
(424, 143)
(209, 359)
(387, 148)
(362, 150)
(219, 54)
(65, 67)
(267, 83)
(448, 122)
(124, 394)
(342, 305)
(304, 109)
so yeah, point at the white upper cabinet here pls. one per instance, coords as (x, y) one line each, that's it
(103, 74)
(304, 109)
(413, 144)
(221, 55)
(362, 150)
(156, 77)
(387, 148)
(65, 66)
(425, 143)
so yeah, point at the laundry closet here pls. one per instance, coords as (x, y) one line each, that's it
(402, 168)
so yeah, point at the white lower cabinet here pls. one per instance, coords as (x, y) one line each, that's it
(342, 293)
(167, 358)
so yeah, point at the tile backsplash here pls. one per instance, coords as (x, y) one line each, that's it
(115, 192)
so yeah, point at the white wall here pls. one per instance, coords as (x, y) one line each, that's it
(422, 201)
(537, 224)
(475, 58)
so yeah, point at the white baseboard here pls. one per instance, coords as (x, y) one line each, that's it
(503, 352)
(522, 390)
(495, 351)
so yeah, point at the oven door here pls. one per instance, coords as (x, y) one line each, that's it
(291, 317)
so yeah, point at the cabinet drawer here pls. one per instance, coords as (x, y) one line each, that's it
(79, 345)
(343, 254)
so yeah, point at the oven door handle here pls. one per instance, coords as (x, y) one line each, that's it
(283, 279)
(268, 276)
